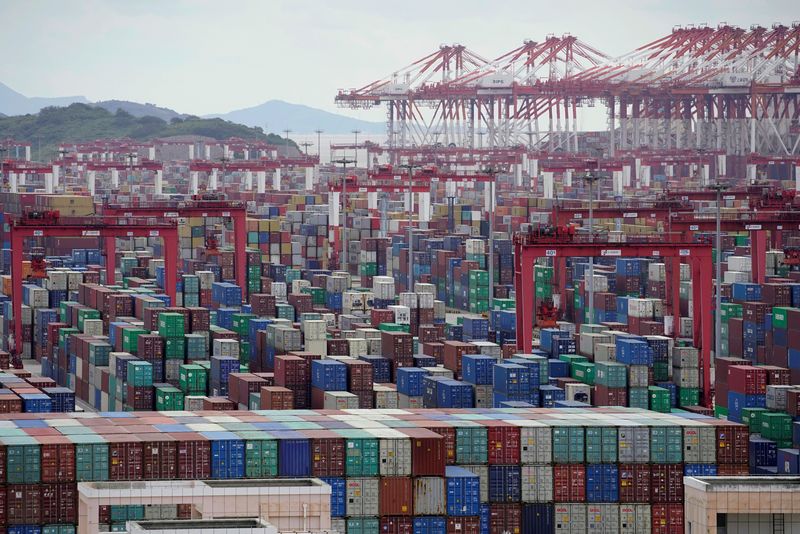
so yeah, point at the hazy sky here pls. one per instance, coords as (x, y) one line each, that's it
(204, 56)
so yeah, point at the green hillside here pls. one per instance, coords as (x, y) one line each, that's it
(81, 123)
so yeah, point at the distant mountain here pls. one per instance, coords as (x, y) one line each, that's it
(83, 122)
(139, 110)
(278, 115)
(14, 103)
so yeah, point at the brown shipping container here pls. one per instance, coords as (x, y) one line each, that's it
(359, 375)
(634, 483)
(464, 525)
(24, 504)
(3, 506)
(125, 457)
(160, 456)
(452, 354)
(194, 456)
(58, 459)
(59, 503)
(569, 483)
(449, 435)
(397, 525)
(327, 453)
(733, 442)
(218, 404)
(396, 495)
(276, 398)
(666, 483)
(291, 370)
(504, 441)
(428, 457)
(505, 518)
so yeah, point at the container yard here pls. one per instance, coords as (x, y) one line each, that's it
(497, 322)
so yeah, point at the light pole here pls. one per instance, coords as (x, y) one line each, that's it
(410, 167)
(305, 145)
(491, 171)
(3, 151)
(344, 162)
(319, 144)
(719, 188)
(590, 179)
(287, 131)
(355, 133)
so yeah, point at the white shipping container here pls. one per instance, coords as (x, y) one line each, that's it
(425, 300)
(314, 329)
(605, 352)
(439, 310)
(577, 392)
(732, 277)
(600, 282)
(406, 401)
(634, 519)
(278, 289)
(298, 285)
(226, 347)
(394, 453)
(385, 396)
(362, 496)
(776, 397)
(537, 483)
(356, 300)
(340, 400)
(429, 496)
(740, 263)
(570, 518)
(474, 246)
(357, 347)
(93, 327)
(699, 444)
(686, 328)
(640, 308)
(657, 272)
(602, 518)
(402, 315)
(408, 300)
(56, 280)
(317, 346)
(421, 287)
(383, 287)
(536, 443)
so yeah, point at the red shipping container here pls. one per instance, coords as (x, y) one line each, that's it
(666, 483)
(569, 483)
(194, 456)
(793, 402)
(24, 504)
(634, 483)
(359, 375)
(504, 440)
(3, 507)
(505, 518)
(732, 443)
(276, 398)
(59, 503)
(667, 518)
(125, 457)
(58, 459)
(449, 435)
(397, 525)
(747, 379)
(292, 371)
(730, 470)
(327, 453)
(428, 457)
(464, 525)
(160, 456)
(218, 404)
(606, 396)
(396, 496)
(777, 376)
(453, 352)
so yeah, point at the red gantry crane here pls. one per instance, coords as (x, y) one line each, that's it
(36, 224)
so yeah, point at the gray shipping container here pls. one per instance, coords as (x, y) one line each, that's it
(395, 457)
(570, 518)
(634, 519)
(536, 445)
(638, 376)
(404, 401)
(602, 518)
(685, 357)
(362, 497)
(776, 397)
(483, 474)
(161, 511)
(699, 444)
(634, 445)
(483, 396)
(429, 496)
(686, 377)
(385, 398)
(537, 483)
(338, 525)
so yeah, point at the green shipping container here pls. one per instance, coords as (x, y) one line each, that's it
(659, 399)
(171, 325)
(583, 371)
(23, 460)
(661, 371)
(688, 397)
(503, 304)
(720, 411)
(752, 418)
(175, 348)
(611, 374)
(639, 398)
(192, 379)
(86, 313)
(261, 455)
(472, 445)
(776, 426)
(140, 373)
(58, 529)
(130, 339)
(363, 525)
(780, 317)
(572, 359)
(729, 310)
(601, 444)
(91, 457)
(542, 273)
(666, 444)
(168, 398)
(568, 445)
(362, 453)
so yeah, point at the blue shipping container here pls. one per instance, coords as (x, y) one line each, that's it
(338, 495)
(410, 381)
(329, 375)
(477, 369)
(463, 489)
(294, 454)
(505, 483)
(602, 483)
